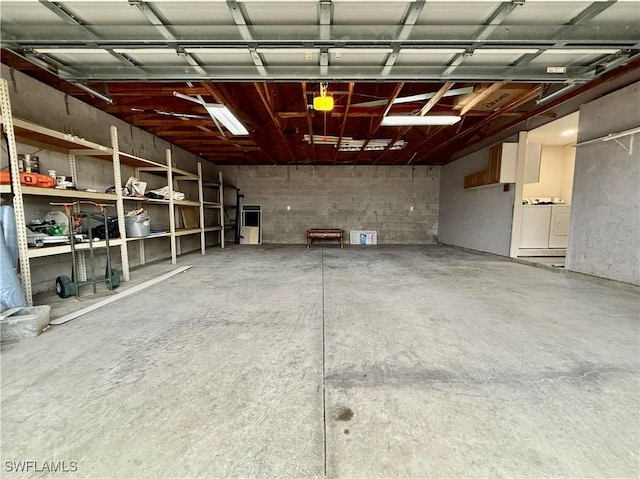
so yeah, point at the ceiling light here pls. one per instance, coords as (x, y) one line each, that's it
(568, 132)
(224, 116)
(556, 69)
(401, 120)
(324, 101)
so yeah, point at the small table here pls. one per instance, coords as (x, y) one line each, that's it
(324, 233)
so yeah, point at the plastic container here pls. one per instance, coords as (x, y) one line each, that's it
(25, 322)
(137, 226)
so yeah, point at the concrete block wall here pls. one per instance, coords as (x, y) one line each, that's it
(349, 197)
(604, 237)
(39, 103)
(478, 219)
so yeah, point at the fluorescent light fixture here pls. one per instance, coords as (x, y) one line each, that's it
(556, 69)
(224, 116)
(402, 120)
(568, 132)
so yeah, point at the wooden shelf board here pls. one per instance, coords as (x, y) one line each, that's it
(145, 200)
(32, 133)
(211, 184)
(5, 189)
(136, 161)
(186, 203)
(61, 249)
(212, 228)
(151, 236)
(189, 231)
(74, 194)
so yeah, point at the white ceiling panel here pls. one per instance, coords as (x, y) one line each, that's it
(619, 13)
(425, 57)
(566, 59)
(156, 57)
(227, 56)
(372, 13)
(358, 56)
(545, 13)
(196, 13)
(281, 13)
(493, 57)
(281, 56)
(102, 58)
(28, 14)
(105, 13)
(456, 13)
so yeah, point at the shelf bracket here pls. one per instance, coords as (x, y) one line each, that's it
(628, 150)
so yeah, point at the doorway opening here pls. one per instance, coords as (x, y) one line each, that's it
(547, 191)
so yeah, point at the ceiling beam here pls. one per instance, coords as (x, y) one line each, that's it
(267, 102)
(423, 111)
(415, 9)
(501, 12)
(387, 108)
(162, 25)
(436, 98)
(522, 99)
(309, 120)
(344, 120)
(478, 96)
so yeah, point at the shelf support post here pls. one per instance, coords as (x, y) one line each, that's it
(117, 178)
(18, 204)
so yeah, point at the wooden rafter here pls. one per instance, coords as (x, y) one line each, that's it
(309, 121)
(479, 96)
(267, 102)
(423, 111)
(387, 108)
(408, 155)
(436, 98)
(521, 100)
(344, 121)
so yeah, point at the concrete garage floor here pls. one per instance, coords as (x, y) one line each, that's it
(437, 363)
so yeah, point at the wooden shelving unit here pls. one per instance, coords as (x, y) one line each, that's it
(74, 147)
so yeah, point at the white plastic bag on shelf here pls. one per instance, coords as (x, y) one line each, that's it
(164, 192)
(135, 186)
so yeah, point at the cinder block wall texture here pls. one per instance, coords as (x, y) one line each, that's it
(349, 197)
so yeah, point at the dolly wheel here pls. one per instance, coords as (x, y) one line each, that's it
(64, 286)
(115, 279)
